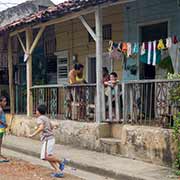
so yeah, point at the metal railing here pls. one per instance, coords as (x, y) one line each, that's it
(149, 102)
(76, 102)
(143, 102)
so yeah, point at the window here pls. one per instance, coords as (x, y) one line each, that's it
(107, 33)
(62, 66)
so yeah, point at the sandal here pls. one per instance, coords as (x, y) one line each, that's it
(57, 175)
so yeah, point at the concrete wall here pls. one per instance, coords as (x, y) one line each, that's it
(145, 12)
(150, 144)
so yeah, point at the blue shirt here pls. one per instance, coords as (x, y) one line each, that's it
(2, 118)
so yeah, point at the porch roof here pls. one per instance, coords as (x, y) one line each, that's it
(56, 11)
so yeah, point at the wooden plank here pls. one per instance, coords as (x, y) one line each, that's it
(22, 45)
(10, 70)
(37, 39)
(100, 108)
(29, 39)
(117, 98)
(89, 29)
(110, 104)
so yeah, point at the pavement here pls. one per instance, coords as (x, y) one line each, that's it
(108, 166)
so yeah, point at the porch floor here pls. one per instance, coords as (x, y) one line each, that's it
(99, 163)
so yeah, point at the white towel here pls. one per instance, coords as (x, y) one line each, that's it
(154, 53)
(149, 52)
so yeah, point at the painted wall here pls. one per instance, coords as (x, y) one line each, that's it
(144, 12)
(73, 37)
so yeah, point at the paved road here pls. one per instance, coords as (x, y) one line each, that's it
(69, 170)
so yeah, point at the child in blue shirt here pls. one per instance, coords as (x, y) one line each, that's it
(3, 125)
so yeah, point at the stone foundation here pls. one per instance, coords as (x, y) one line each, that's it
(145, 143)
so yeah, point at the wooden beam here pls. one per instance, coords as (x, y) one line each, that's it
(10, 71)
(100, 105)
(37, 39)
(22, 45)
(29, 39)
(89, 29)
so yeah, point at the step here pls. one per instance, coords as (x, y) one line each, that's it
(110, 145)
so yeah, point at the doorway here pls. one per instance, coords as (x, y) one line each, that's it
(150, 33)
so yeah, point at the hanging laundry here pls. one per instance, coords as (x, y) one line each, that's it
(115, 53)
(174, 52)
(144, 58)
(143, 51)
(168, 42)
(161, 45)
(135, 48)
(149, 52)
(111, 46)
(129, 49)
(154, 53)
(175, 40)
(124, 47)
(120, 46)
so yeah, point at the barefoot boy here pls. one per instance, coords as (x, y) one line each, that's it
(48, 141)
(3, 125)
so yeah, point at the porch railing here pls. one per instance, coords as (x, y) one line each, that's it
(76, 102)
(149, 102)
(144, 102)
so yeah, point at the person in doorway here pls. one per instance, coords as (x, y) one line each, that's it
(48, 141)
(3, 125)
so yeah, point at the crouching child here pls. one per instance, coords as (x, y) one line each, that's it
(45, 128)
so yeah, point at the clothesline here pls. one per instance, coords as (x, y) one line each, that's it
(150, 52)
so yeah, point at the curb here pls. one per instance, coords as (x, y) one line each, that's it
(88, 168)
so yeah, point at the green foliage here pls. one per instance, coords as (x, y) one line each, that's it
(176, 135)
(175, 99)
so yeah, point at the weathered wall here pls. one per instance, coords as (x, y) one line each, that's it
(145, 12)
(145, 143)
(73, 37)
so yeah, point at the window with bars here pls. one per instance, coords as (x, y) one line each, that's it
(107, 33)
(62, 67)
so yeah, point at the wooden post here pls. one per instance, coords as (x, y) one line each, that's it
(10, 71)
(29, 39)
(117, 99)
(110, 104)
(100, 106)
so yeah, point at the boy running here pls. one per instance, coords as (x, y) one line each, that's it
(48, 141)
(3, 125)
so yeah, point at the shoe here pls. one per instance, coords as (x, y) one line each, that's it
(57, 175)
(62, 164)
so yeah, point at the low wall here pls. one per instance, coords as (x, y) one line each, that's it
(149, 144)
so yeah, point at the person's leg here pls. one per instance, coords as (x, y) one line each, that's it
(52, 158)
(54, 166)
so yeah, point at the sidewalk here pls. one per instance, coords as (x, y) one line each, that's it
(98, 163)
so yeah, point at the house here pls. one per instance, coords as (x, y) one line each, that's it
(64, 34)
(9, 16)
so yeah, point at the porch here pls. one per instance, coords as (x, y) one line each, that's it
(143, 102)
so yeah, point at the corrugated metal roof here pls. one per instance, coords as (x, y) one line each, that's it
(59, 10)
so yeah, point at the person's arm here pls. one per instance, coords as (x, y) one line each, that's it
(40, 128)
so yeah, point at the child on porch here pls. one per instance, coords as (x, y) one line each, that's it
(3, 125)
(48, 141)
(112, 83)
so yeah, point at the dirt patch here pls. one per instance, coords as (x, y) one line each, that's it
(21, 170)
